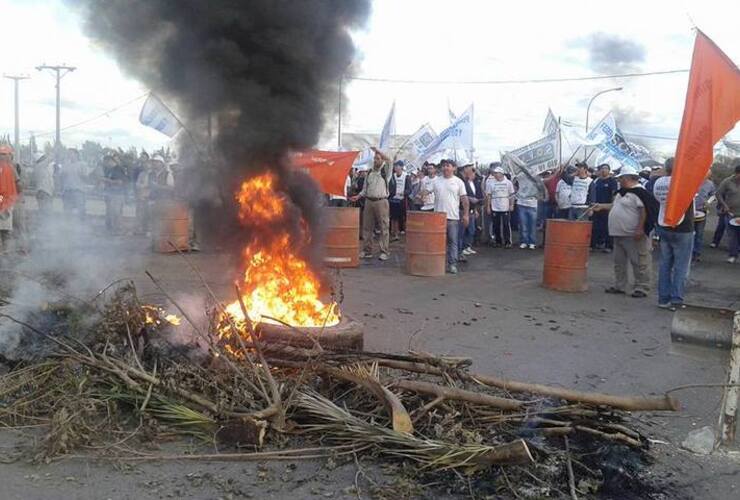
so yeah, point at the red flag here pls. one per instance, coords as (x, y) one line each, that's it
(328, 168)
(712, 109)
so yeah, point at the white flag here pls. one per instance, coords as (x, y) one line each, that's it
(452, 116)
(389, 129)
(551, 123)
(458, 136)
(157, 115)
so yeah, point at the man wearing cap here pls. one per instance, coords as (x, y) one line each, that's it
(398, 190)
(499, 204)
(580, 190)
(728, 198)
(375, 193)
(8, 195)
(631, 217)
(603, 190)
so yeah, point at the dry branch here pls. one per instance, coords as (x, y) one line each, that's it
(455, 394)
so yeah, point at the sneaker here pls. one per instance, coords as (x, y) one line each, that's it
(664, 306)
(523, 246)
(452, 269)
(532, 247)
(712, 245)
(471, 251)
(732, 260)
(466, 251)
(383, 256)
(365, 255)
(403, 232)
(508, 245)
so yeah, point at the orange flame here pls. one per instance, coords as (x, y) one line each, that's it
(278, 285)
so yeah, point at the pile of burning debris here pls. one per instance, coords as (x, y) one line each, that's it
(120, 381)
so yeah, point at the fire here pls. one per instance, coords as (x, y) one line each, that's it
(278, 285)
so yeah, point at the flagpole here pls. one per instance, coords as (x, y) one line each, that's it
(339, 117)
(560, 145)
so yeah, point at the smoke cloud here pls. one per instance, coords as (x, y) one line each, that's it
(610, 53)
(265, 70)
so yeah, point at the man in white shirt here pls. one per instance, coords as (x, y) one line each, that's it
(579, 191)
(427, 183)
(449, 193)
(499, 204)
(397, 200)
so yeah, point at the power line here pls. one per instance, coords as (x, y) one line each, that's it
(97, 117)
(505, 82)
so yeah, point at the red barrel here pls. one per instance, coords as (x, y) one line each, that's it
(342, 242)
(426, 242)
(567, 247)
(171, 224)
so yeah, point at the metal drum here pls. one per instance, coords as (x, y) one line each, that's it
(171, 224)
(567, 248)
(342, 242)
(426, 243)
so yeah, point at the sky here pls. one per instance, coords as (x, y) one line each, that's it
(420, 40)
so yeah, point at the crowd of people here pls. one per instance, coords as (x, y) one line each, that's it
(116, 177)
(486, 206)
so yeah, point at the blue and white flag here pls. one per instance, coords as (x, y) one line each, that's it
(389, 129)
(157, 115)
(551, 123)
(458, 136)
(615, 150)
(451, 114)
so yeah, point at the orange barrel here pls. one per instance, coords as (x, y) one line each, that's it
(567, 247)
(342, 241)
(171, 224)
(426, 240)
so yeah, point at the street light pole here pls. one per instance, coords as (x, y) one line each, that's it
(588, 109)
(60, 72)
(17, 141)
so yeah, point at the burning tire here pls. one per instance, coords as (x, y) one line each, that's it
(347, 334)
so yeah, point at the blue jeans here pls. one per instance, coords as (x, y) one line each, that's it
(734, 240)
(675, 258)
(452, 241)
(466, 235)
(528, 225)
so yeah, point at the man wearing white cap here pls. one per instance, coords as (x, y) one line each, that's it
(499, 204)
(632, 215)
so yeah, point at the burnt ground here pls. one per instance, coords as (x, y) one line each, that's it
(494, 312)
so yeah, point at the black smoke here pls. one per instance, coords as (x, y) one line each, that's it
(611, 54)
(267, 72)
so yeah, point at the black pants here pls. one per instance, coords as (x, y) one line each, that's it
(600, 235)
(501, 222)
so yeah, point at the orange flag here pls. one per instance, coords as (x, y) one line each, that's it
(328, 168)
(712, 109)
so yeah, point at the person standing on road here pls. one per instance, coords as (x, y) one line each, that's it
(398, 189)
(728, 197)
(449, 194)
(530, 191)
(426, 189)
(73, 181)
(562, 193)
(375, 193)
(706, 191)
(114, 180)
(676, 244)
(499, 204)
(8, 196)
(579, 193)
(631, 217)
(43, 175)
(603, 190)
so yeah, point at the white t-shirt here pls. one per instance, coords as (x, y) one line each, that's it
(624, 217)
(579, 190)
(562, 195)
(447, 193)
(427, 185)
(400, 186)
(660, 191)
(500, 193)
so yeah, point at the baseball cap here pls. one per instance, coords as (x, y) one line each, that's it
(498, 170)
(627, 170)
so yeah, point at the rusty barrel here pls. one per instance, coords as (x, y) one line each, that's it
(342, 242)
(171, 224)
(567, 247)
(426, 241)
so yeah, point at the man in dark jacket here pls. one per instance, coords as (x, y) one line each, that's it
(603, 190)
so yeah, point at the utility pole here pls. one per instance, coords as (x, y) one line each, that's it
(60, 72)
(17, 140)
